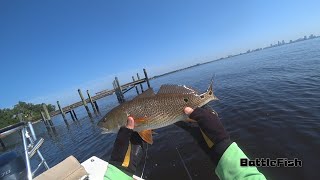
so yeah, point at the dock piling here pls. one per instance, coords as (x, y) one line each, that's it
(44, 119)
(135, 85)
(118, 90)
(46, 114)
(146, 76)
(140, 83)
(84, 103)
(72, 117)
(63, 114)
(97, 107)
(20, 117)
(75, 115)
(91, 102)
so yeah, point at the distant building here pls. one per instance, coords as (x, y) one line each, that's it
(283, 42)
(312, 36)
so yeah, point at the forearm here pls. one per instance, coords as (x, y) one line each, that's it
(114, 172)
(229, 165)
(127, 151)
(121, 146)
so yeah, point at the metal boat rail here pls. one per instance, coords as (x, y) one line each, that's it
(31, 144)
(11, 129)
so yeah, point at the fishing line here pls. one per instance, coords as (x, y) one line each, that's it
(213, 80)
(213, 77)
(145, 160)
(184, 165)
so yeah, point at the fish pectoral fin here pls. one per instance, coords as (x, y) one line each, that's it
(146, 135)
(140, 120)
(190, 120)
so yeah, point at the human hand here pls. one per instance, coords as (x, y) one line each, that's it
(130, 122)
(208, 131)
(209, 123)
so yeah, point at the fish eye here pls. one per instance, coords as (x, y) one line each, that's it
(186, 100)
(202, 96)
(210, 92)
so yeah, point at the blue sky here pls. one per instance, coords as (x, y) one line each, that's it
(49, 49)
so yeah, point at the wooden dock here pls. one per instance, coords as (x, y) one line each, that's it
(99, 95)
(118, 89)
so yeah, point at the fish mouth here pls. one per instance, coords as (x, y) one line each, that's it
(104, 130)
(107, 131)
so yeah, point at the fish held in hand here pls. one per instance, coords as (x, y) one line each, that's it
(152, 111)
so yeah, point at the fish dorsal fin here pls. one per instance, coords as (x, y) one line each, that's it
(148, 93)
(176, 89)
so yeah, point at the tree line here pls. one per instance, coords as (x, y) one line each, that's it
(31, 112)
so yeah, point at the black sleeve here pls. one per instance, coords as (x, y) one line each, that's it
(120, 149)
(120, 146)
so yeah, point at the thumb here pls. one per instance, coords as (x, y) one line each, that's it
(188, 110)
(130, 122)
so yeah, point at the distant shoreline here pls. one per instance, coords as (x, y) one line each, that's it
(229, 56)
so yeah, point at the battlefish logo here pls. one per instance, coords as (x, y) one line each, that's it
(267, 162)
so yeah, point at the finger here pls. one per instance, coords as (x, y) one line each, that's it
(130, 123)
(188, 110)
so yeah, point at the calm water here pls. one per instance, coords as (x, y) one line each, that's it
(269, 103)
